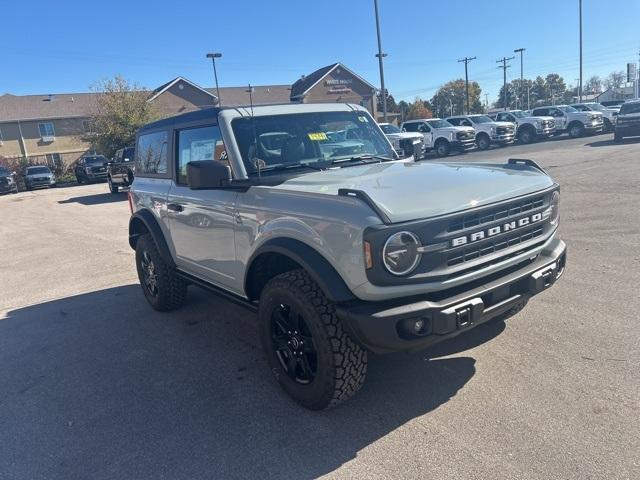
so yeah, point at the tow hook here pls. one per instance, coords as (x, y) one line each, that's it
(543, 279)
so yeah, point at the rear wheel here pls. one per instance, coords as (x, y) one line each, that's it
(608, 126)
(483, 142)
(308, 350)
(442, 148)
(161, 285)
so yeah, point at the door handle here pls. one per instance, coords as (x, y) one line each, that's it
(175, 207)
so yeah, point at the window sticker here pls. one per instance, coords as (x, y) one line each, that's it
(318, 137)
(362, 118)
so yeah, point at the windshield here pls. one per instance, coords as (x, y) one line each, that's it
(567, 109)
(389, 129)
(481, 119)
(314, 139)
(439, 123)
(38, 170)
(630, 108)
(99, 160)
(596, 106)
(519, 114)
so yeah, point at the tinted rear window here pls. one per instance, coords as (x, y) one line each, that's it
(630, 108)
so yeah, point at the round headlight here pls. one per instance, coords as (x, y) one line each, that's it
(400, 253)
(555, 208)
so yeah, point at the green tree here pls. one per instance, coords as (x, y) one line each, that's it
(121, 109)
(452, 96)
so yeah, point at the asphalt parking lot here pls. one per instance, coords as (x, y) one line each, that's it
(94, 384)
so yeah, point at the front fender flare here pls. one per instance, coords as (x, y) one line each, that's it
(318, 267)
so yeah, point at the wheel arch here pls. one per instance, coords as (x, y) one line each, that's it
(280, 255)
(143, 222)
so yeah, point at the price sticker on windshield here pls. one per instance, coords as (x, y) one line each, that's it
(362, 118)
(318, 137)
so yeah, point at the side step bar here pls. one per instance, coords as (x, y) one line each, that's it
(232, 297)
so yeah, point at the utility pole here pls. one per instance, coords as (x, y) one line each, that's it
(580, 86)
(466, 61)
(380, 56)
(213, 56)
(486, 101)
(521, 51)
(504, 67)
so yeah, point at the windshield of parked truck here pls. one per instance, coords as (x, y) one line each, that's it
(390, 129)
(567, 109)
(38, 171)
(481, 119)
(596, 106)
(98, 160)
(439, 123)
(275, 142)
(518, 114)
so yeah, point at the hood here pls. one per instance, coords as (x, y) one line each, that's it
(407, 190)
(501, 124)
(533, 119)
(401, 135)
(456, 129)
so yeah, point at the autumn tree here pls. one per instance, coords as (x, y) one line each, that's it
(418, 109)
(452, 97)
(121, 108)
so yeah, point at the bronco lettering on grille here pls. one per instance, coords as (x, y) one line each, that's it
(505, 227)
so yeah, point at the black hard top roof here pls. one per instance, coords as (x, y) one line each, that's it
(197, 115)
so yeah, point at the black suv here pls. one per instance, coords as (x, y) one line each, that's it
(92, 168)
(7, 181)
(121, 169)
(628, 120)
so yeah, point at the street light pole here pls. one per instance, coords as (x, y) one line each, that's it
(213, 56)
(380, 56)
(521, 51)
(580, 14)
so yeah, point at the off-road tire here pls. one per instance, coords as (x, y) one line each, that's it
(112, 188)
(171, 289)
(483, 141)
(341, 363)
(442, 148)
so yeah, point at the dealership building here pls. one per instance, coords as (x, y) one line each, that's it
(54, 128)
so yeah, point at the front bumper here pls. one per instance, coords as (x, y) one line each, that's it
(545, 132)
(8, 188)
(503, 139)
(463, 144)
(40, 183)
(385, 326)
(594, 126)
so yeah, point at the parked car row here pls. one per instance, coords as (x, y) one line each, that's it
(465, 132)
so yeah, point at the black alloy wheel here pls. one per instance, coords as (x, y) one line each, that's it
(149, 274)
(293, 343)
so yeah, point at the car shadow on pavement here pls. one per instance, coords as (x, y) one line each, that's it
(100, 386)
(611, 142)
(97, 199)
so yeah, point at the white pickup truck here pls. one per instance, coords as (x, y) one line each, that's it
(441, 136)
(528, 128)
(609, 115)
(572, 121)
(488, 132)
(405, 143)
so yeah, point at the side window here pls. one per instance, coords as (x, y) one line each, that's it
(465, 123)
(540, 112)
(501, 117)
(454, 121)
(510, 118)
(152, 154)
(581, 108)
(554, 112)
(203, 143)
(410, 127)
(423, 128)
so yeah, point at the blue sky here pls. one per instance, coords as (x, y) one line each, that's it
(69, 46)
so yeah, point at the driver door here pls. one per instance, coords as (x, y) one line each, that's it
(202, 222)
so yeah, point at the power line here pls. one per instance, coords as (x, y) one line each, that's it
(466, 61)
(504, 67)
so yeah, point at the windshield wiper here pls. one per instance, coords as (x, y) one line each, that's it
(362, 158)
(287, 166)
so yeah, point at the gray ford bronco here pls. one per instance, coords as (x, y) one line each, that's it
(304, 214)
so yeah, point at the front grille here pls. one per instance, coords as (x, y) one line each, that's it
(464, 135)
(488, 248)
(504, 130)
(548, 123)
(474, 220)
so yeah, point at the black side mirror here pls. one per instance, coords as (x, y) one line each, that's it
(207, 174)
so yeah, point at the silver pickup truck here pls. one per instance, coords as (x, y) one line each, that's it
(341, 248)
